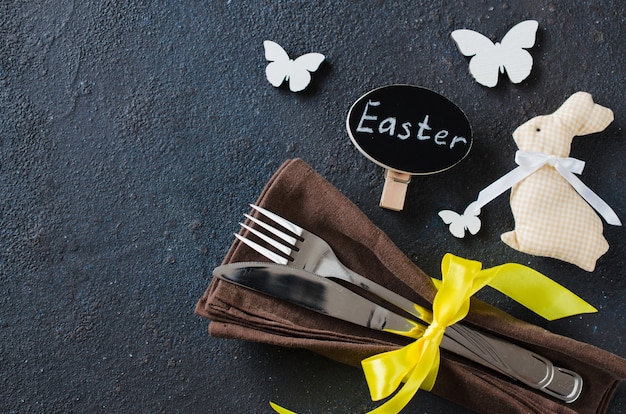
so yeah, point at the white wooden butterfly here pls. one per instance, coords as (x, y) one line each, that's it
(297, 71)
(489, 59)
(460, 222)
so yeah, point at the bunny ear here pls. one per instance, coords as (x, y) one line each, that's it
(582, 116)
(599, 118)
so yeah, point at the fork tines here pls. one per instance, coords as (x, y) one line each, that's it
(288, 225)
(286, 244)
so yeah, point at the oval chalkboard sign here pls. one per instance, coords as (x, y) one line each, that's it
(409, 129)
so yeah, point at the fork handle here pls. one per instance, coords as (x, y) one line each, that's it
(487, 350)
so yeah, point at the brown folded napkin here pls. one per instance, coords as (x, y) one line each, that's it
(299, 194)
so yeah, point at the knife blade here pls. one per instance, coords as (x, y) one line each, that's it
(327, 297)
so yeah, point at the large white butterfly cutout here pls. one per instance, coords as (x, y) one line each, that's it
(460, 222)
(489, 59)
(296, 71)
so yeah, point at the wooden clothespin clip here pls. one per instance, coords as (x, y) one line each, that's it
(394, 190)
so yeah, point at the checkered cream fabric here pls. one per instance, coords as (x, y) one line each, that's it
(551, 218)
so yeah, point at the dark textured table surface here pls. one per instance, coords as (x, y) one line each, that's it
(132, 137)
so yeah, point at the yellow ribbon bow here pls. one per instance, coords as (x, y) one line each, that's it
(417, 364)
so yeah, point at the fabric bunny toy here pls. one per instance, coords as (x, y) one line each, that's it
(553, 209)
(551, 217)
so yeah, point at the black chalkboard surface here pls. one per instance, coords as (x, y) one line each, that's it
(409, 129)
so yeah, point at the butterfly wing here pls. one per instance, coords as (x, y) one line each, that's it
(471, 43)
(485, 68)
(278, 68)
(522, 35)
(470, 218)
(310, 61)
(517, 61)
(518, 64)
(448, 216)
(472, 224)
(485, 64)
(276, 72)
(299, 79)
(472, 209)
(299, 76)
(274, 52)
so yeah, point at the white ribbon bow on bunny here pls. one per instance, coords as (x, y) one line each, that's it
(528, 162)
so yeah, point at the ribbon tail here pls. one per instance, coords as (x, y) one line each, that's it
(537, 292)
(502, 184)
(429, 360)
(384, 372)
(280, 410)
(590, 197)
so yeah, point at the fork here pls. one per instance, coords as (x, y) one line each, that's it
(310, 252)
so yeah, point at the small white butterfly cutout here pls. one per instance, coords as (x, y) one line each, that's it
(489, 59)
(297, 71)
(460, 222)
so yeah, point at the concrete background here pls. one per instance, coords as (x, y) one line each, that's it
(133, 135)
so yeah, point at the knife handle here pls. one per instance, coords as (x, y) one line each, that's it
(503, 356)
(514, 361)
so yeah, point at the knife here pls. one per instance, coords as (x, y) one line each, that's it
(327, 297)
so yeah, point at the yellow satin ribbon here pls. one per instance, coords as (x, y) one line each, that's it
(417, 364)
